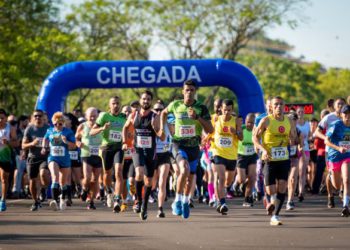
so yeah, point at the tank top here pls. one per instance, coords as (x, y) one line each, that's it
(5, 150)
(225, 143)
(145, 137)
(164, 146)
(276, 138)
(246, 146)
(91, 143)
(305, 130)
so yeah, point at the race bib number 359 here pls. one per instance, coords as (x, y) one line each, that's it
(187, 131)
(144, 142)
(279, 153)
(57, 151)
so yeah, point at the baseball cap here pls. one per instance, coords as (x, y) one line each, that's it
(345, 109)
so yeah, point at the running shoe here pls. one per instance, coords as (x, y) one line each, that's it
(123, 207)
(42, 195)
(160, 214)
(63, 204)
(185, 210)
(54, 205)
(270, 208)
(116, 207)
(109, 200)
(345, 212)
(259, 196)
(191, 203)
(301, 197)
(331, 202)
(35, 206)
(91, 206)
(229, 195)
(137, 207)
(143, 214)
(290, 205)
(200, 199)
(3, 206)
(275, 220)
(218, 208)
(248, 202)
(177, 208)
(223, 209)
(69, 202)
(84, 195)
(151, 199)
(212, 203)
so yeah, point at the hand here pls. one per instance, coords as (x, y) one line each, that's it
(265, 156)
(342, 150)
(79, 144)
(238, 122)
(64, 139)
(124, 147)
(192, 113)
(106, 126)
(35, 142)
(233, 130)
(43, 151)
(4, 141)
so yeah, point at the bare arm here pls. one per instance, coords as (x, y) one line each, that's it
(319, 134)
(257, 137)
(126, 127)
(78, 135)
(156, 127)
(328, 142)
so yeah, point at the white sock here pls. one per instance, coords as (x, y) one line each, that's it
(186, 199)
(273, 198)
(346, 201)
(178, 197)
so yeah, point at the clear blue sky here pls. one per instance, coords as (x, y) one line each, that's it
(324, 36)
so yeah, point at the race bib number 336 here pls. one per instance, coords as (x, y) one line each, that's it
(187, 130)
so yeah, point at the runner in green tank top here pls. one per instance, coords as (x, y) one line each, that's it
(191, 117)
(92, 163)
(111, 125)
(246, 162)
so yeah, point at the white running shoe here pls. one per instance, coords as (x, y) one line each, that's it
(62, 204)
(109, 200)
(54, 205)
(275, 220)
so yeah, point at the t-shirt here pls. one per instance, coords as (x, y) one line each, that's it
(246, 146)
(113, 134)
(259, 118)
(187, 131)
(59, 151)
(339, 135)
(31, 133)
(327, 121)
(5, 149)
(305, 130)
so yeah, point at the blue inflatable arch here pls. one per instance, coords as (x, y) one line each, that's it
(150, 74)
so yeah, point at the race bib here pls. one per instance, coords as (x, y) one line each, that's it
(93, 150)
(293, 150)
(115, 136)
(128, 153)
(249, 150)
(345, 144)
(144, 141)
(279, 153)
(57, 151)
(188, 130)
(73, 155)
(225, 142)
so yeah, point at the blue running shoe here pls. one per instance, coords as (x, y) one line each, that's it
(177, 208)
(2, 206)
(185, 210)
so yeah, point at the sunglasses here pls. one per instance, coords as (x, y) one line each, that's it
(58, 124)
(158, 110)
(38, 116)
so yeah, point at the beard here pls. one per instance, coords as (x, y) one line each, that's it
(146, 106)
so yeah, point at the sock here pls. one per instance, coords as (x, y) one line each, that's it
(69, 192)
(160, 209)
(346, 201)
(64, 192)
(148, 191)
(55, 191)
(268, 198)
(117, 197)
(178, 197)
(205, 188)
(279, 202)
(186, 199)
(222, 201)
(211, 190)
(139, 186)
(109, 190)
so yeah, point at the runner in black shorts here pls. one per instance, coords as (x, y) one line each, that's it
(190, 118)
(111, 124)
(247, 158)
(36, 162)
(146, 124)
(275, 131)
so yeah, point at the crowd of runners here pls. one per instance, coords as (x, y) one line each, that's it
(148, 152)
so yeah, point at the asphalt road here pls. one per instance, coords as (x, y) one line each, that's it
(311, 226)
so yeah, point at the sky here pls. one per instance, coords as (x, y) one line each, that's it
(322, 36)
